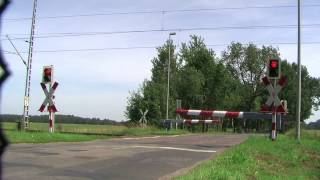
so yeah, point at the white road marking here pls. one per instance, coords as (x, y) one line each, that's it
(174, 136)
(152, 137)
(174, 148)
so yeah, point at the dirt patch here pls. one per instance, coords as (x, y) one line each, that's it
(313, 160)
(272, 164)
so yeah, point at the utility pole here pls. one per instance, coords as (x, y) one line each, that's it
(168, 86)
(25, 118)
(299, 74)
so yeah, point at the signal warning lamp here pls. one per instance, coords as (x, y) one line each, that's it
(274, 68)
(47, 74)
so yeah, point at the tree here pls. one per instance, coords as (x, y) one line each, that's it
(247, 63)
(196, 62)
(209, 83)
(190, 87)
(196, 54)
(152, 94)
(135, 102)
(310, 96)
(203, 81)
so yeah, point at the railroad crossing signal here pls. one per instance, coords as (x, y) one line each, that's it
(274, 70)
(47, 74)
(47, 78)
(49, 97)
(143, 119)
(273, 103)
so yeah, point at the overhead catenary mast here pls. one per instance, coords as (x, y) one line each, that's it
(298, 113)
(25, 118)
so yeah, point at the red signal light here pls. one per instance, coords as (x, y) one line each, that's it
(47, 74)
(47, 71)
(274, 63)
(274, 68)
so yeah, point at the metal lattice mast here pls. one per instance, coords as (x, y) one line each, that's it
(25, 118)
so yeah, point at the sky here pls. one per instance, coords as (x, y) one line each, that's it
(96, 72)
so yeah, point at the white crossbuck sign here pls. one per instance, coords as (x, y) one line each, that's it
(143, 119)
(273, 99)
(49, 97)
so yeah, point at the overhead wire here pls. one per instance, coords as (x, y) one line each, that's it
(159, 11)
(152, 47)
(76, 34)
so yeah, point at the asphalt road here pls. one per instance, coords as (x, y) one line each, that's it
(123, 158)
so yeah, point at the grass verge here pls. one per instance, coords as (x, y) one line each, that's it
(46, 137)
(37, 133)
(260, 158)
(150, 131)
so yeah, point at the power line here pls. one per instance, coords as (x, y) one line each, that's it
(160, 11)
(153, 47)
(74, 34)
(88, 49)
(271, 43)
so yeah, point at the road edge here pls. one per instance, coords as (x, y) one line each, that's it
(185, 170)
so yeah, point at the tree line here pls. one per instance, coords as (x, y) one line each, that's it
(202, 80)
(314, 125)
(68, 119)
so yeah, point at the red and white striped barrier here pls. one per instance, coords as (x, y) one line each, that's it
(205, 113)
(49, 97)
(196, 121)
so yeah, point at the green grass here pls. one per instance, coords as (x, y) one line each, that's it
(46, 137)
(71, 128)
(260, 158)
(38, 132)
(150, 131)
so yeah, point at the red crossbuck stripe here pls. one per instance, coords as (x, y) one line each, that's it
(267, 109)
(55, 85)
(282, 81)
(42, 108)
(266, 81)
(205, 113)
(43, 86)
(52, 108)
(196, 121)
